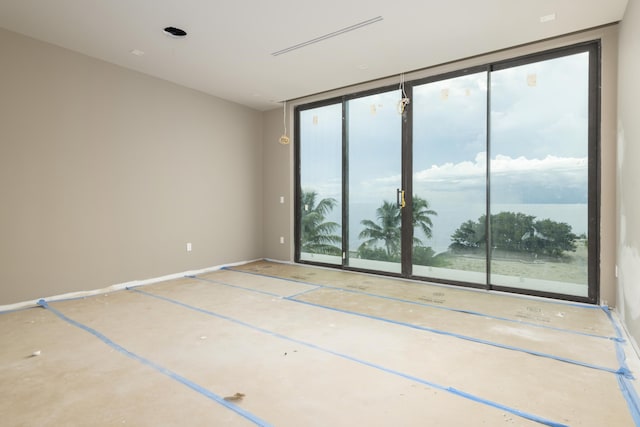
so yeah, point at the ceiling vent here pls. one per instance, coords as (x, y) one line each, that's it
(328, 35)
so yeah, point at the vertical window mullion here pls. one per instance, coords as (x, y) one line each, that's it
(593, 228)
(407, 185)
(487, 228)
(345, 184)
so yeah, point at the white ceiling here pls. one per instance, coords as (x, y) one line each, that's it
(227, 52)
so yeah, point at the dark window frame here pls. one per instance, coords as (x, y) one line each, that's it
(593, 47)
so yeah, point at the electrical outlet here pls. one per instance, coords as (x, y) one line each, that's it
(281, 199)
(281, 240)
(188, 247)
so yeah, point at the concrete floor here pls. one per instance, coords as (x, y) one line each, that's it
(312, 347)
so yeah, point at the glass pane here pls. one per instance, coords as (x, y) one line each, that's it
(449, 178)
(321, 184)
(539, 175)
(375, 157)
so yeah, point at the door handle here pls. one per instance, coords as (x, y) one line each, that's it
(400, 198)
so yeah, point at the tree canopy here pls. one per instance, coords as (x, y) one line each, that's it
(317, 234)
(515, 232)
(386, 231)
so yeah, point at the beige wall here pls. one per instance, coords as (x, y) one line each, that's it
(608, 35)
(106, 174)
(628, 256)
(278, 182)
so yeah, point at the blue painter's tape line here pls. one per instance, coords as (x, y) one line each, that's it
(451, 390)
(612, 320)
(198, 388)
(476, 313)
(439, 307)
(630, 395)
(619, 371)
(304, 292)
(619, 349)
(501, 407)
(624, 381)
(466, 338)
(302, 282)
(218, 282)
(564, 303)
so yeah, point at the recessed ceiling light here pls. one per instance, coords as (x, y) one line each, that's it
(548, 18)
(363, 67)
(136, 52)
(175, 32)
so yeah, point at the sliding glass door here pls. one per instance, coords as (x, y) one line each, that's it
(450, 178)
(374, 148)
(320, 184)
(540, 175)
(487, 177)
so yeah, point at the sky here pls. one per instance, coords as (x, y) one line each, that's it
(538, 133)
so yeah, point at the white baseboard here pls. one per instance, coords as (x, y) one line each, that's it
(117, 287)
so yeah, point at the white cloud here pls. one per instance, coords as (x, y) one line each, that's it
(505, 164)
(456, 172)
(537, 178)
(500, 165)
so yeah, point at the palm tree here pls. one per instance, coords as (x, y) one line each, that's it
(387, 227)
(316, 234)
(387, 231)
(420, 217)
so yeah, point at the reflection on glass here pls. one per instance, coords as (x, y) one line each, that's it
(539, 175)
(375, 155)
(449, 178)
(321, 184)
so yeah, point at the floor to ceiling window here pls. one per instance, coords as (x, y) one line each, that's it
(319, 196)
(374, 147)
(450, 176)
(539, 174)
(488, 177)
